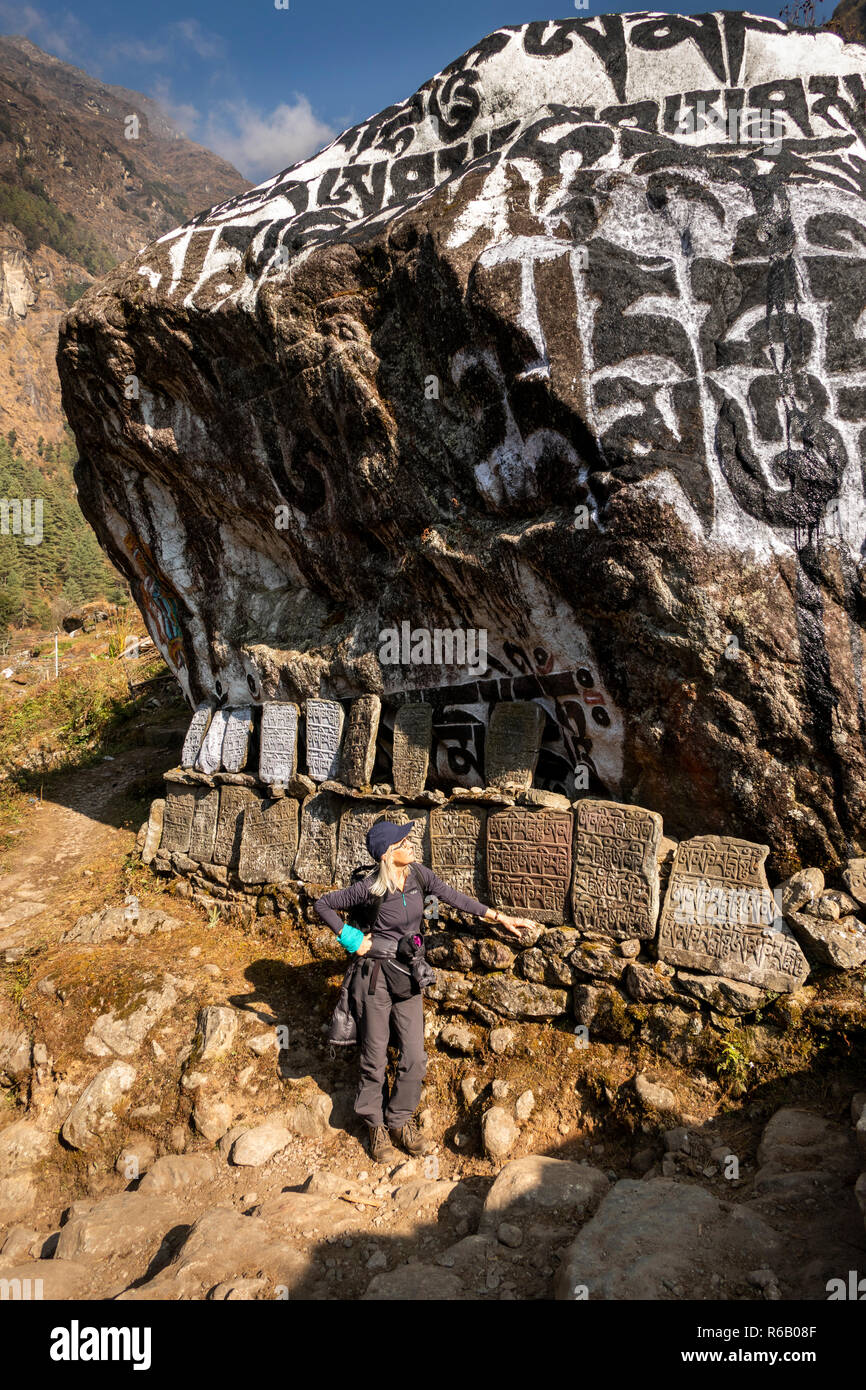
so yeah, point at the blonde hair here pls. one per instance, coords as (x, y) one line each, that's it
(386, 877)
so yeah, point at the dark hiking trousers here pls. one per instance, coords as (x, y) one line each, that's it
(377, 1013)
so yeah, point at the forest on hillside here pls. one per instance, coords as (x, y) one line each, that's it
(50, 560)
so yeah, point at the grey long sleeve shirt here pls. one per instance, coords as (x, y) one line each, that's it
(400, 912)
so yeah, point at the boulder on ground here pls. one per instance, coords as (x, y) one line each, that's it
(94, 1113)
(656, 1239)
(541, 1189)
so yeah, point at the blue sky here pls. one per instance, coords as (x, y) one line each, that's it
(265, 86)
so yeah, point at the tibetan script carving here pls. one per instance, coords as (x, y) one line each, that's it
(513, 741)
(324, 726)
(269, 841)
(236, 740)
(413, 732)
(359, 745)
(720, 916)
(278, 748)
(316, 860)
(529, 862)
(457, 847)
(615, 889)
(194, 736)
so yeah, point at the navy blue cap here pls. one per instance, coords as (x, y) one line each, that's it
(384, 834)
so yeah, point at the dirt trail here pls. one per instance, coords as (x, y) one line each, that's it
(61, 836)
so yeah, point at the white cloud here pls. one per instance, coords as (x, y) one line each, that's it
(259, 144)
(183, 115)
(203, 44)
(138, 50)
(61, 35)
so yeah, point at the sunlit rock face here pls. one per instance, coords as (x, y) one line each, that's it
(568, 350)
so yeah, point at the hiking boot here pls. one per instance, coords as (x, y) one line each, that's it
(411, 1139)
(381, 1148)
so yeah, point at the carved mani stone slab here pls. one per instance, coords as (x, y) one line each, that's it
(413, 733)
(194, 736)
(269, 841)
(153, 835)
(316, 860)
(278, 748)
(210, 753)
(615, 889)
(180, 803)
(512, 743)
(204, 824)
(325, 719)
(457, 847)
(233, 802)
(354, 824)
(236, 741)
(529, 862)
(719, 916)
(359, 744)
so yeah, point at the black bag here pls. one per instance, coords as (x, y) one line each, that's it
(412, 952)
(343, 1030)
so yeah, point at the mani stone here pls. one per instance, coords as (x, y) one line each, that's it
(194, 736)
(854, 879)
(233, 802)
(154, 830)
(354, 824)
(529, 862)
(269, 841)
(316, 860)
(278, 748)
(177, 818)
(204, 825)
(413, 732)
(324, 723)
(457, 847)
(210, 753)
(719, 916)
(615, 889)
(512, 743)
(236, 740)
(359, 745)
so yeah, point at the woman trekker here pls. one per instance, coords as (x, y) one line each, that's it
(380, 989)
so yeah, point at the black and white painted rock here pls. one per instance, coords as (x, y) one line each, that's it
(567, 351)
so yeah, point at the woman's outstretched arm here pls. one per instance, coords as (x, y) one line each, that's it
(464, 903)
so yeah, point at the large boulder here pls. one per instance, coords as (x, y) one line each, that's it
(563, 349)
(223, 1245)
(95, 1111)
(656, 1239)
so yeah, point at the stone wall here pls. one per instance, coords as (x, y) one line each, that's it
(627, 918)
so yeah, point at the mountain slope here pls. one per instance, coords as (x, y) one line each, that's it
(76, 197)
(849, 20)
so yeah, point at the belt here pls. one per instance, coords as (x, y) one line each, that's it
(386, 950)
